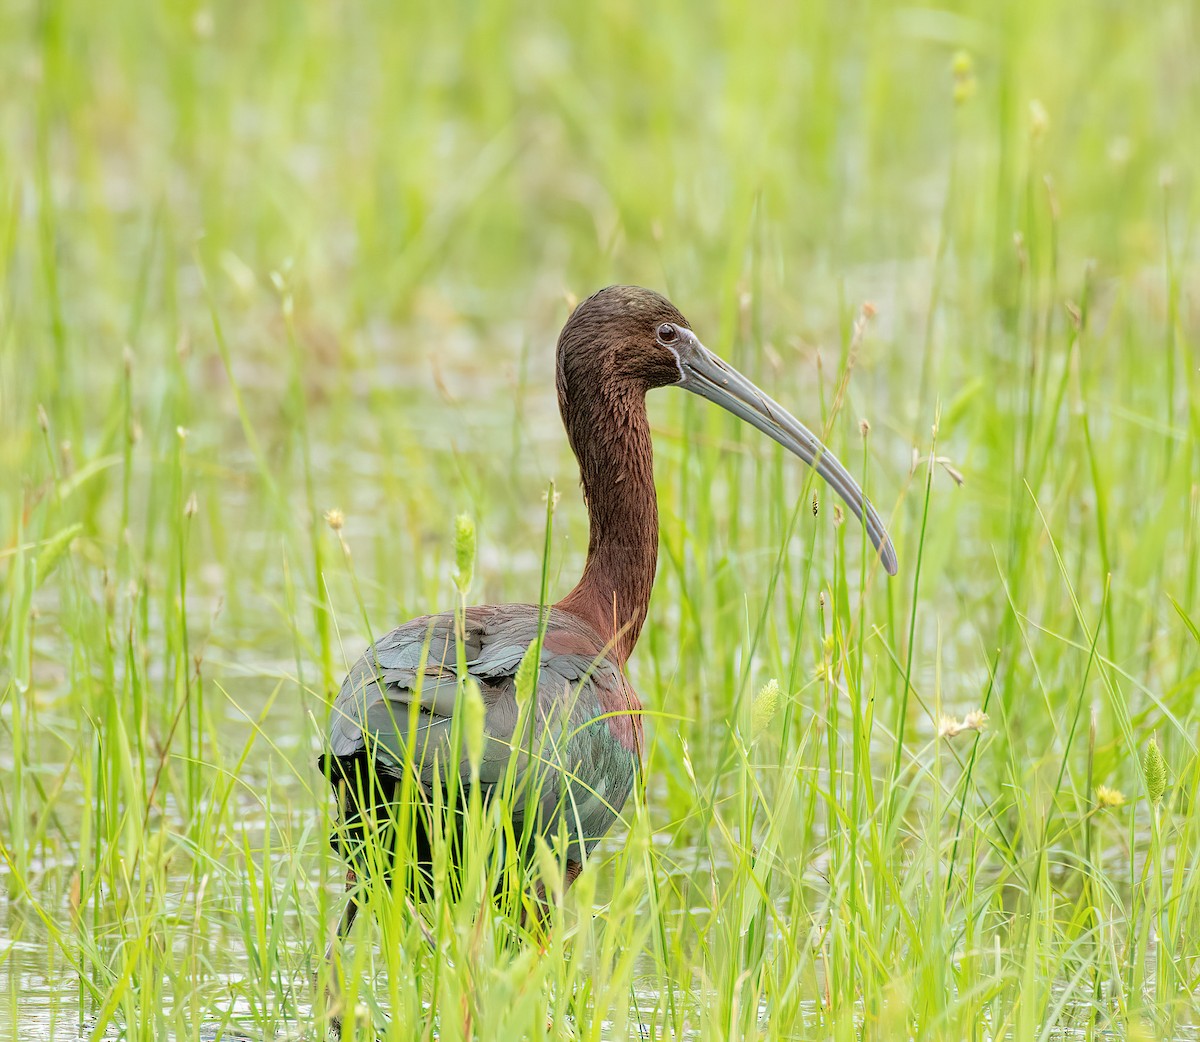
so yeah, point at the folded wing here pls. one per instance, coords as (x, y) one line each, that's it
(577, 759)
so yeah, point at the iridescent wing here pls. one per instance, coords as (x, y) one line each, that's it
(399, 701)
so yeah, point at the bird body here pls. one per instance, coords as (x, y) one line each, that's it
(397, 705)
(578, 763)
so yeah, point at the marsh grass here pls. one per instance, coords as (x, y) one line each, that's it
(259, 262)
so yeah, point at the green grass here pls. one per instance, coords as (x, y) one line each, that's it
(258, 261)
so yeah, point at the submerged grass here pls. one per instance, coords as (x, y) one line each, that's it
(260, 262)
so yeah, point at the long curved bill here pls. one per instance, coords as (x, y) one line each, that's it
(708, 376)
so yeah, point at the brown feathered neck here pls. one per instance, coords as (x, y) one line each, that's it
(607, 361)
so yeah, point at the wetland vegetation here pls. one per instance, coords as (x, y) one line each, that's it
(279, 288)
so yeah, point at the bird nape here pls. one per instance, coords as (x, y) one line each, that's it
(562, 758)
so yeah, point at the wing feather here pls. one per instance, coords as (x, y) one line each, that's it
(408, 679)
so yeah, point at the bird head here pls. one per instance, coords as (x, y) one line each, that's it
(625, 340)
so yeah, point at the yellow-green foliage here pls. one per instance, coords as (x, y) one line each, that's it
(279, 290)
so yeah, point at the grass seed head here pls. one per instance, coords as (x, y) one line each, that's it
(976, 720)
(474, 712)
(1154, 767)
(524, 679)
(963, 70)
(764, 707)
(464, 552)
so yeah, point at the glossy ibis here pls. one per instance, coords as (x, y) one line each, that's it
(617, 345)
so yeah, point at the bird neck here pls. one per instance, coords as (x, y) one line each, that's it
(611, 437)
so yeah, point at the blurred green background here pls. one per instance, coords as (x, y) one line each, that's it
(263, 260)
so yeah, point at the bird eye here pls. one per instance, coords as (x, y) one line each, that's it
(667, 333)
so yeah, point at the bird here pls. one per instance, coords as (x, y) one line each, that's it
(394, 714)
